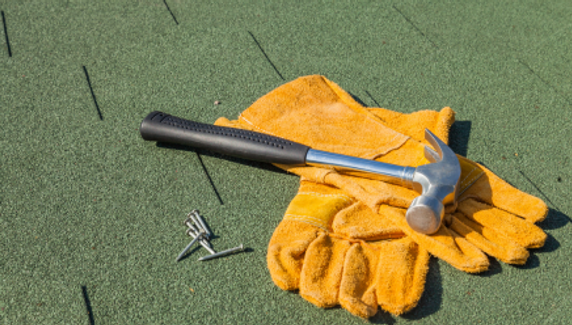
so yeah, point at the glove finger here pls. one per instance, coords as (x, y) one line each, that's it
(322, 271)
(488, 240)
(492, 190)
(360, 222)
(445, 244)
(309, 214)
(286, 252)
(400, 276)
(357, 288)
(521, 231)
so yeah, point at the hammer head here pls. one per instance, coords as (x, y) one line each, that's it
(438, 184)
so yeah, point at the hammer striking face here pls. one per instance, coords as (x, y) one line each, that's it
(438, 184)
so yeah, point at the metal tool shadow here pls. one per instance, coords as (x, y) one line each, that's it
(200, 152)
(255, 164)
(459, 137)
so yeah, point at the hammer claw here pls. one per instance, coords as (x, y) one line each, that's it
(431, 155)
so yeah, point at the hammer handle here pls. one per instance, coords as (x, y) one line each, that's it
(161, 127)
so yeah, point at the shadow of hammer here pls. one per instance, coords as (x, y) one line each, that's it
(437, 182)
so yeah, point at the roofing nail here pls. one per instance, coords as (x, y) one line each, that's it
(187, 248)
(202, 222)
(223, 253)
(198, 224)
(205, 243)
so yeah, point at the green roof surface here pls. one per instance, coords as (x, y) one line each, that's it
(90, 214)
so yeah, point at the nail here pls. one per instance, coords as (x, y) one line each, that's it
(195, 230)
(187, 248)
(198, 224)
(223, 253)
(193, 234)
(205, 243)
(189, 222)
(202, 222)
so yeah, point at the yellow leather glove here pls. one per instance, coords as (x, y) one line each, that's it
(359, 272)
(337, 251)
(491, 216)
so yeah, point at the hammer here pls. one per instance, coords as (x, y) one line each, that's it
(437, 182)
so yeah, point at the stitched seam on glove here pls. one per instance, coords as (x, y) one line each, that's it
(361, 241)
(316, 222)
(326, 195)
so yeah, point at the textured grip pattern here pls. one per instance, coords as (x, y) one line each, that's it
(244, 144)
(229, 132)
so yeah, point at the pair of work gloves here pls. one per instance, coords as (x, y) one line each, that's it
(344, 240)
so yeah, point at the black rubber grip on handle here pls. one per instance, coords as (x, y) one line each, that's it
(161, 127)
